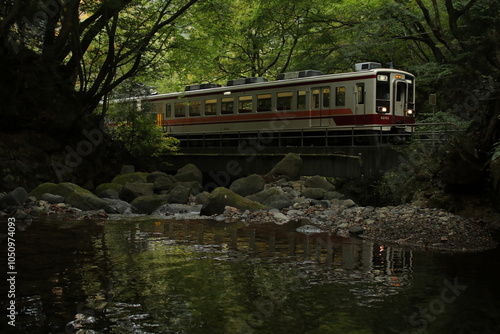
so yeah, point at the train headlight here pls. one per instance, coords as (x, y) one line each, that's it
(410, 112)
(382, 109)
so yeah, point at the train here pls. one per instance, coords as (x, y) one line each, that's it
(328, 109)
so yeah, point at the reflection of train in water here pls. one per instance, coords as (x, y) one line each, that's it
(370, 100)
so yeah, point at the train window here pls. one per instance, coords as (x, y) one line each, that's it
(195, 108)
(315, 98)
(301, 99)
(326, 97)
(180, 111)
(168, 110)
(360, 89)
(285, 101)
(210, 107)
(400, 91)
(340, 96)
(245, 104)
(383, 90)
(227, 105)
(264, 102)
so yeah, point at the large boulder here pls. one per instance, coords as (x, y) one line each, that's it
(189, 173)
(73, 195)
(149, 203)
(81, 198)
(314, 193)
(108, 190)
(151, 178)
(131, 191)
(248, 185)
(273, 197)
(222, 197)
(289, 166)
(44, 188)
(16, 197)
(180, 193)
(163, 183)
(130, 178)
(119, 206)
(318, 182)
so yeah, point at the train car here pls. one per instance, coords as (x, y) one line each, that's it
(370, 100)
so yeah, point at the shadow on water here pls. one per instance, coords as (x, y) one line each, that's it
(158, 276)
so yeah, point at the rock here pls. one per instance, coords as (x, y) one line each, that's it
(180, 193)
(318, 182)
(280, 218)
(130, 178)
(248, 185)
(333, 195)
(149, 203)
(21, 215)
(131, 191)
(171, 209)
(163, 183)
(314, 193)
(127, 169)
(202, 198)
(151, 178)
(289, 166)
(109, 193)
(356, 229)
(348, 203)
(16, 197)
(119, 206)
(103, 190)
(81, 198)
(44, 188)
(273, 197)
(222, 197)
(51, 198)
(189, 173)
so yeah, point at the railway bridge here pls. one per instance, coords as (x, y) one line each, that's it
(351, 155)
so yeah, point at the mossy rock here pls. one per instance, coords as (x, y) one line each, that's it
(274, 197)
(290, 166)
(44, 188)
(74, 195)
(149, 203)
(222, 197)
(131, 178)
(108, 186)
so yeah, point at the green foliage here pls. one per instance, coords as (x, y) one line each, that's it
(139, 133)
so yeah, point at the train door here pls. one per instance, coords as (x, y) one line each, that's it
(359, 95)
(320, 102)
(400, 98)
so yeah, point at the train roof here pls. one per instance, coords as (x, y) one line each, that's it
(286, 80)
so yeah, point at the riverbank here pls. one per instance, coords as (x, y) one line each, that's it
(279, 197)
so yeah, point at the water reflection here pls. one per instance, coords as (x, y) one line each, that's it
(212, 277)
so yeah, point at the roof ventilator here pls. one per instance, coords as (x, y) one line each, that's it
(201, 86)
(244, 81)
(298, 74)
(366, 66)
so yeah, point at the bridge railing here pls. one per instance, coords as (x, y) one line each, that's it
(433, 133)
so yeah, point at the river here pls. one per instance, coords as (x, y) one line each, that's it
(145, 275)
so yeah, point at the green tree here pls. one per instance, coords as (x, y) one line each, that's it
(59, 59)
